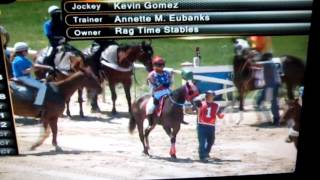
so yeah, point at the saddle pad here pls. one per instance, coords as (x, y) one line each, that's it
(27, 93)
(22, 92)
(110, 54)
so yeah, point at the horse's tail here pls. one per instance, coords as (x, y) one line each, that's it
(132, 124)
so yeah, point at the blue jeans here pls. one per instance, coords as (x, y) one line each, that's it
(206, 137)
(274, 102)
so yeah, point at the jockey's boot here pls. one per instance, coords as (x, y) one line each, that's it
(150, 119)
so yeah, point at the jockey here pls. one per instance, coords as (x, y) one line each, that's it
(22, 68)
(53, 29)
(159, 81)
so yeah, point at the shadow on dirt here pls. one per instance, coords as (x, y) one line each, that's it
(54, 152)
(93, 119)
(27, 121)
(189, 160)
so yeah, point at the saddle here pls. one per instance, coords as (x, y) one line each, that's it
(27, 93)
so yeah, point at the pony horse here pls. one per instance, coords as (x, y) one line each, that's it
(54, 104)
(171, 115)
(68, 60)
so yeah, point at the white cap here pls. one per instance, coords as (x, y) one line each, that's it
(20, 46)
(52, 8)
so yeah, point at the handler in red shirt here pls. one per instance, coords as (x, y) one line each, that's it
(208, 110)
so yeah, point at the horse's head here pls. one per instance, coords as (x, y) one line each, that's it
(145, 56)
(240, 45)
(76, 57)
(191, 91)
(91, 81)
(292, 114)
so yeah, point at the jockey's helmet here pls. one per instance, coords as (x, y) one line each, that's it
(157, 60)
(20, 46)
(52, 9)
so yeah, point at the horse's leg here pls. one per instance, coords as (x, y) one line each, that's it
(128, 95)
(94, 102)
(80, 100)
(241, 99)
(147, 132)
(44, 136)
(54, 128)
(68, 108)
(173, 141)
(141, 136)
(114, 98)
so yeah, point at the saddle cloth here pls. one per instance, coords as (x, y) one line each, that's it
(27, 93)
(61, 59)
(109, 58)
(110, 54)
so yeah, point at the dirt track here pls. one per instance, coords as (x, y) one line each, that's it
(100, 147)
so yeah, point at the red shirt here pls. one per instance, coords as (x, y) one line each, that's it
(208, 113)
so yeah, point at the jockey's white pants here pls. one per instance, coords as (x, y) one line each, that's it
(42, 88)
(158, 94)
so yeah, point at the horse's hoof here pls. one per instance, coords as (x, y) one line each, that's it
(173, 157)
(184, 122)
(59, 149)
(33, 148)
(114, 113)
(145, 152)
(95, 110)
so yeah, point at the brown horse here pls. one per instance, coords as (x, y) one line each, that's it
(56, 96)
(244, 66)
(292, 117)
(170, 118)
(126, 56)
(68, 61)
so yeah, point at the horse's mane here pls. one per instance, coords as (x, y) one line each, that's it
(176, 93)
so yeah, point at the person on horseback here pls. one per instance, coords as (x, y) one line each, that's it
(159, 81)
(208, 111)
(53, 29)
(271, 90)
(22, 68)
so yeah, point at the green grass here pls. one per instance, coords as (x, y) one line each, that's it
(24, 21)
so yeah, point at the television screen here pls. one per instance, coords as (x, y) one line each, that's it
(162, 89)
